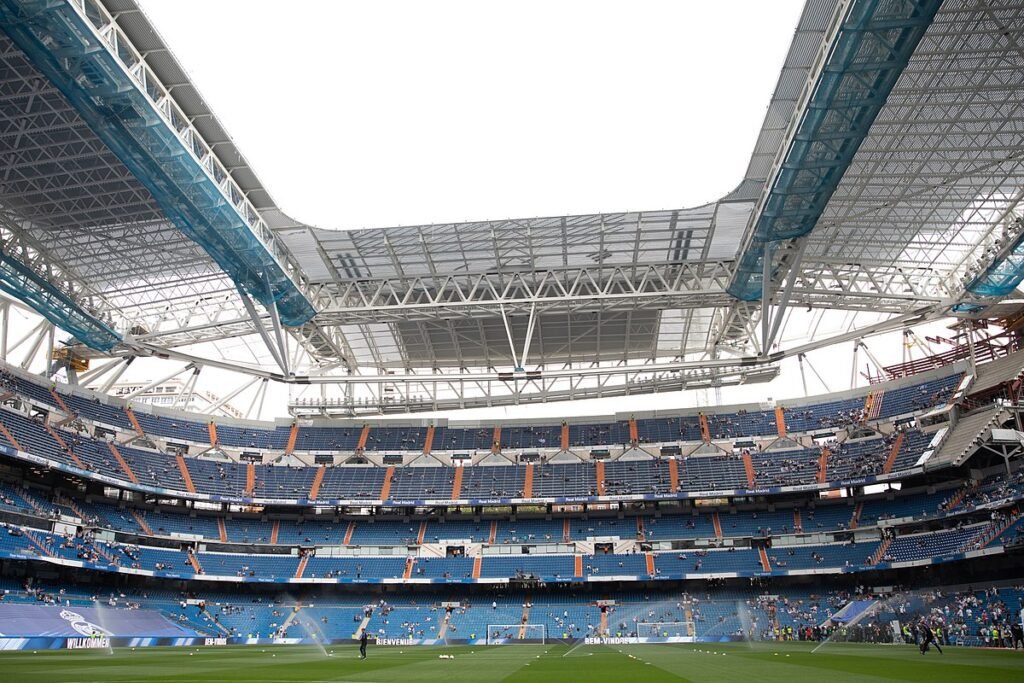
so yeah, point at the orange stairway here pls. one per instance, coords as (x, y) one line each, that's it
(765, 563)
(60, 403)
(748, 467)
(348, 533)
(293, 436)
(650, 564)
(428, 443)
(194, 561)
(275, 529)
(868, 400)
(894, 453)
(823, 464)
(211, 427)
(64, 446)
(122, 462)
(250, 479)
(409, 562)
(143, 524)
(496, 440)
(641, 535)
(134, 420)
(363, 436)
(780, 421)
(526, 617)
(882, 549)
(634, 433)
(600, 477)
(798, 522)
(10, 437)
(566, 530)
(705, 429)
(318, 479)
(185, 476)
(493, 533)
(222, 530)
(37, 543)
(457, 483)
(718, 524)
(578, 566)
(855, 518)
(422, 534)
(565, 436)
(385, 489)
(301, 569)
(477, 563)
(673, 474)
(528, 482)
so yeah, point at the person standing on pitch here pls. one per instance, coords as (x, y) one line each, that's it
(928, 638)
(362, 645)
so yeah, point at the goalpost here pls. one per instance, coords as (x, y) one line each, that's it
(502, 634)
(666, 629)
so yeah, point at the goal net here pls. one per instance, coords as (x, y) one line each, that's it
(668, 629)
(501, 634)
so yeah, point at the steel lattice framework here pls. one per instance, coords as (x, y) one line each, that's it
(921, 200)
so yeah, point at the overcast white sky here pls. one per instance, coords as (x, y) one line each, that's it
(372, 114)
(362, 114)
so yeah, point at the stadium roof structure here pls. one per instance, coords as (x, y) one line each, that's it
(884, 188)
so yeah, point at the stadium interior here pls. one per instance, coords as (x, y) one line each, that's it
(884, 191)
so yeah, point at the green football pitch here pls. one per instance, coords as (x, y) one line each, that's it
(788, 662)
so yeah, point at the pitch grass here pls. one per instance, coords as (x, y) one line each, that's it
(788, 662)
